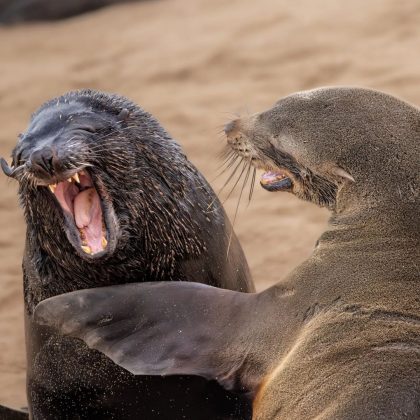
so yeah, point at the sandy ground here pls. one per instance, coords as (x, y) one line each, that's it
(195, 64)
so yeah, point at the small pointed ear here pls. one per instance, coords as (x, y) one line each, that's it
(157, 328)
(123, 115)
(336, 170)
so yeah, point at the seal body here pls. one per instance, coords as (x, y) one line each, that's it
(339, 337)
(110, 198)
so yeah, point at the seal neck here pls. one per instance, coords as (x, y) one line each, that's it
(374, 227)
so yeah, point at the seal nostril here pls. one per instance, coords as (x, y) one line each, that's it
(47, 162)
(42, 161)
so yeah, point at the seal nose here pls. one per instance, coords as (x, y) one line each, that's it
(44, 162)
(230, 127)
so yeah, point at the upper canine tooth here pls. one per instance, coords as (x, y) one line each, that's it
(86, 249)
(76, 177)
(69, 180)
(52, 187)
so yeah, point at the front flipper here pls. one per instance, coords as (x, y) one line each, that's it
(165, 328)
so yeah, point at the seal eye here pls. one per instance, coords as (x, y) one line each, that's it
(88, 129)
(81, 204)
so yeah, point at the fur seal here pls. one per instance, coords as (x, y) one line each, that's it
(339, 337)
(110, 198)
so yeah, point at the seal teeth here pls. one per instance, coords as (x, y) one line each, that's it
(104, 242)
(76, 177)
(86, 249)
(52, 187)
(69, 179)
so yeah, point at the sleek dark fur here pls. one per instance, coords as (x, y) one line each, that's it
(339, 337)
(165, 224)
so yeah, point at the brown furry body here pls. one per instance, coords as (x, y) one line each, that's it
(350, 315)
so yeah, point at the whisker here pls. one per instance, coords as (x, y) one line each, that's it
(237, 205)
(227, 181)
(226, 152)
(227, 159)
(228, 164)
(251, 188)
(236, 183)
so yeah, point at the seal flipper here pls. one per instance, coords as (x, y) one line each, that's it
(7, 413)
(162, 328)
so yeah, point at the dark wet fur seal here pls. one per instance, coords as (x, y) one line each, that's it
(143, 213)
(339, 337)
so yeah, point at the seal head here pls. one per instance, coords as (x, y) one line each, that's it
(58, 152)
(100, 180)
(75, 170)
(309, 145)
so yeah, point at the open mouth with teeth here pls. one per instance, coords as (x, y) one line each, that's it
(82, 208)
(276, 181)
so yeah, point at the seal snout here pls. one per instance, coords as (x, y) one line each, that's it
(45, 162)
(273, 179)
(237, 141)
(231, 127)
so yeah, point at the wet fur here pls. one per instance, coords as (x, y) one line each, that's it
(166, 230)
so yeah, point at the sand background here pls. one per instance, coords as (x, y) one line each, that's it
(195, 64)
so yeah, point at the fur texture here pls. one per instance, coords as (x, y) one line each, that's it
(165, 224)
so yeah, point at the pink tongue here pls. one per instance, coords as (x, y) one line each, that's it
(271, 176)
(88, 217)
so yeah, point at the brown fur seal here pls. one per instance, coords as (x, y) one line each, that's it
(339, 337)
(110, 198)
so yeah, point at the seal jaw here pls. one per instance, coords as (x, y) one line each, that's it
(282, 171)
(88, 217)
(277, 180)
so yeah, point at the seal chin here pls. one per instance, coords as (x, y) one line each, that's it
(277, 180)
(88, 216)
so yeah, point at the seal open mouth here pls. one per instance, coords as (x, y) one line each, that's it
(81, 204)
(276, 181)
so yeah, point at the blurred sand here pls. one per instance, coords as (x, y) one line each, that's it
(195, 64)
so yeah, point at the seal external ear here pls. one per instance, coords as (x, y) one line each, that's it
(336, 170)
(8, 171)
(123, 115)
(157, 328)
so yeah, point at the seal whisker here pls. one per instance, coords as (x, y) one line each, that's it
(237, 181)
(226, 153)
(232, 160)
(229, 163)
(239, 201)
(230, 177)
(251, 188)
